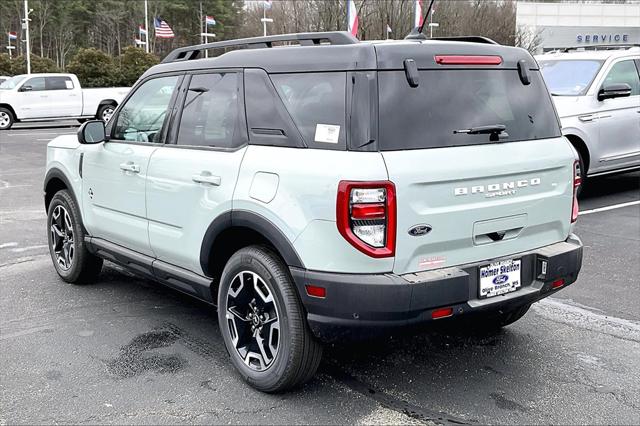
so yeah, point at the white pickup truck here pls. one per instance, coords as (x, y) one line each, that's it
(44, 97)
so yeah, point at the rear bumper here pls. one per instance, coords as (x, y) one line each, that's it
(360, 304)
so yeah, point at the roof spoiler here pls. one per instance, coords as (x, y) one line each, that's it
(304, 39)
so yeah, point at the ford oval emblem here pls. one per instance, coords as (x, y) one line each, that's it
(419, 230)
(501, 279)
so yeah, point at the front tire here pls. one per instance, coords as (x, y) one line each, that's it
(263, 324)
(69, 254)
(6, 119)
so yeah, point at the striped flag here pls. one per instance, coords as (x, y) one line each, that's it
(209, 20)
(141, 30)
(163, 30)
(12, 35)
(418, 18)
(352, 18)
(266, 4)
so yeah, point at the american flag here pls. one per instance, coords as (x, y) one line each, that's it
(163, 30)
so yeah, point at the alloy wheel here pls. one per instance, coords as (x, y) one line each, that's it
(62, 241)
(107, 113)
(4, 120)
(252, 317)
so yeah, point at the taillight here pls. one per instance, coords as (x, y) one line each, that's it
(577, 180)
(468, 59)
(366, 216)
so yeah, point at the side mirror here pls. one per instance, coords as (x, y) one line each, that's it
(615, 90)
(26, 88)
(92, 132)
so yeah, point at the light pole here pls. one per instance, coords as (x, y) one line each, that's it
(25, 25)
(265, 19)
(146, 26)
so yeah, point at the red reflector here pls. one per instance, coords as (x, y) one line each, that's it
(367, 211)
(315, 291)
(557, 283)
(442, 313)
(467, 60)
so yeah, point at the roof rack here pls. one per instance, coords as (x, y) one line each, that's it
(304, 39)
(470, 39)
(599, 47)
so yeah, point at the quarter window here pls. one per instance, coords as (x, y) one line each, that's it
(624, 72)
(210, 116)
(141, 118)
(316, 101)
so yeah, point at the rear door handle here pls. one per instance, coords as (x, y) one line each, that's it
(207, 177)
(589, 117)
(130, 167)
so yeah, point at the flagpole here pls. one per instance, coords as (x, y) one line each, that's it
(146, 26)
(264, 19)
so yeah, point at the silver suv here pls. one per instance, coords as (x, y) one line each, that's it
(326, 191)
(597, 95)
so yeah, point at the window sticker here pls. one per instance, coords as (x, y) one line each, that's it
(69, 84)
(327, 133)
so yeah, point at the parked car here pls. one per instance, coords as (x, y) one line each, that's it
(44, 97)
(4, 78)
(326, 191)
(597, 95)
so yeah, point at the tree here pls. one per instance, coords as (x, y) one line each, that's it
(5, 64)
(94, 68)
(133, 62)
(38, 64)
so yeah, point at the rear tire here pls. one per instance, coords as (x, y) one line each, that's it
(6, 119)
(263, 324)
(65, 232)
(105, 112)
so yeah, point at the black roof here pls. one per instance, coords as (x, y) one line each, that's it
(334, 51)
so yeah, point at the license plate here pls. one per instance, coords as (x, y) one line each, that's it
(500, 277)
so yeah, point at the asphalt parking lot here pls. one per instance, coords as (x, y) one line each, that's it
(125, 350)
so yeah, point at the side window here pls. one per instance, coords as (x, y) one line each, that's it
(58, 83)
(624, 72)
(141, 118)
(210, 116)
(316, 101)
(36, 84)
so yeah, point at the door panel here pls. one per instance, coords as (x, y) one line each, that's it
(63, 96)
(114, 177)
(186, 190)
(34, 103)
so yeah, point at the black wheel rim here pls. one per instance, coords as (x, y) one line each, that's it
(62, 238)
(253, 321)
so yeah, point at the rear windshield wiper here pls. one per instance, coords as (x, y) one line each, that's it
(496, 131)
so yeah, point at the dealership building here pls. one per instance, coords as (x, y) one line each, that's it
(571, 24)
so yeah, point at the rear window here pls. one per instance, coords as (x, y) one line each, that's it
(316, 102)
(454, 100)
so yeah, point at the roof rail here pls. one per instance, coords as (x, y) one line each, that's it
(600, 47)
(304, 39)
(470, 39)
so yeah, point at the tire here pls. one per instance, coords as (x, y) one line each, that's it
(297, 353)
(6, 119)
(65, 232)
(105, 112)
(583, 174)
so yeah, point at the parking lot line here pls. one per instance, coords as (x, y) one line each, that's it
(613, 207)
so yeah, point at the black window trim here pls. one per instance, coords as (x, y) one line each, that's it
(165, 125)
(176, 116)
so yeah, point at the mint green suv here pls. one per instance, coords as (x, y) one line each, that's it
(325, 191)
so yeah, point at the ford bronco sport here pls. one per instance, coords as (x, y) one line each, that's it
(320, 191)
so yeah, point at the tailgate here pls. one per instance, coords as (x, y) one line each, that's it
(481, 202)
